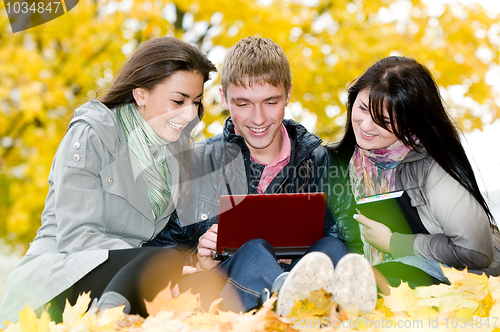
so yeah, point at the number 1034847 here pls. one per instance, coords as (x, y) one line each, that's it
(476, 322)
(33, 7)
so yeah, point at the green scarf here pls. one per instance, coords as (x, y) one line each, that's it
(150, 152)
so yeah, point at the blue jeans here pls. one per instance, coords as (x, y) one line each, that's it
(254, 267)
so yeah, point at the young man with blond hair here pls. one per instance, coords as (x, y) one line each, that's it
(267, 154)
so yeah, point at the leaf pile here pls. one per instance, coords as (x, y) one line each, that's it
(470, 303)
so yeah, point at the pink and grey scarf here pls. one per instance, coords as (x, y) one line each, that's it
(374, 172)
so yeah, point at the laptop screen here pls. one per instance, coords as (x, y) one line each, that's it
(289, 222)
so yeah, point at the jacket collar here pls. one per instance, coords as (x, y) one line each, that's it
(301, 140)
(415, 155)
(105, 122)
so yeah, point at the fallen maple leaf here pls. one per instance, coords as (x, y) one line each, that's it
(214, 307)
(318, 304)
(104, 320)
(277, 324)
(163, 321)
(479, 284)
(129, 322)
(185, 304)
(471, 300)
(400, 299)
(72, 315)
(27, 319)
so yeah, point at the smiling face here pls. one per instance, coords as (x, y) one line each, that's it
(369, 135)
(257, 112)
(172, 104)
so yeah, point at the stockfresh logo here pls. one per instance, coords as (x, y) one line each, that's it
(25, 14)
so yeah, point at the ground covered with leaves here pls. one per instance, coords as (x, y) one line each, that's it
(470, 303)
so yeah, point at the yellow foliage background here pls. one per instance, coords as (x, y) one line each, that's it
(47, 71)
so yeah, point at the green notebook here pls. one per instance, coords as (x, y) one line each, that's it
(390, 209)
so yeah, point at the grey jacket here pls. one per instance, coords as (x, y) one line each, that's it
(460, 233)
(97, 201)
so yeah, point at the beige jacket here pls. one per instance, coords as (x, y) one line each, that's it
(461, 234)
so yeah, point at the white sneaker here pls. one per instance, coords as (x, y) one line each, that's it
(352, 282)
(312, 272)
(355, 283)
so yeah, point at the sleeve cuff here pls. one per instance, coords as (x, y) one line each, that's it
(401, 245)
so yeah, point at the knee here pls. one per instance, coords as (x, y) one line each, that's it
(250, 255)
(331, 246)
(257, 245)
(330, 242)
(255, 248)
(161, 256)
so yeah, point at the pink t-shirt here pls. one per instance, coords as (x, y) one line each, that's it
(277, 164)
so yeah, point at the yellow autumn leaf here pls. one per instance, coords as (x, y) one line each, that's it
(451, 301)
(464, 313)
(400, 299)
(431, 291)
(161, 300)
(129, 323)
(186, 302)
(495, 288)
(478, 284)
(72, 315)
(275, 323)
(485, 306)
(424, 311)
(382, 308)
(27, 320)
(319, 304)
(44, 324)
(249, 322)
(205, 321)
(163, 321)
(214, 306)
(495, 312)
(104, 320)
(442, 310)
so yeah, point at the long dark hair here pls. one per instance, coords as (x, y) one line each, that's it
(154, 61)
(407, 90)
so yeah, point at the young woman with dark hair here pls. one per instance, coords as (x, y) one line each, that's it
(399, 137)
(114, 182)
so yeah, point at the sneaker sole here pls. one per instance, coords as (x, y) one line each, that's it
(312, 272)
(355, 283)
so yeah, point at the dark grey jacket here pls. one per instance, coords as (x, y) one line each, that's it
(222, 165)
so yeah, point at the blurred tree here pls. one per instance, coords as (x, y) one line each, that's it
(47, 71)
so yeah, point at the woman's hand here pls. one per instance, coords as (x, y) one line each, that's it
(207, 245)
(376, 234)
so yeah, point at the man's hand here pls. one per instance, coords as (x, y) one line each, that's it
(206, 248)
(376, 234)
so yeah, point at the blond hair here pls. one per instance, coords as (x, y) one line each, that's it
(255, 60)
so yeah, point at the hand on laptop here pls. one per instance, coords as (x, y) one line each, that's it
(206, 248)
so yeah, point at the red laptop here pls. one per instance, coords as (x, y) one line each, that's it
(290, 222)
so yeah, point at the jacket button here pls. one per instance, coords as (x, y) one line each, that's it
(204, 216)
(76, 145)
(110, 180)
(76, 157)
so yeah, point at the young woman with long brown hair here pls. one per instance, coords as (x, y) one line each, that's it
(114, 182)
